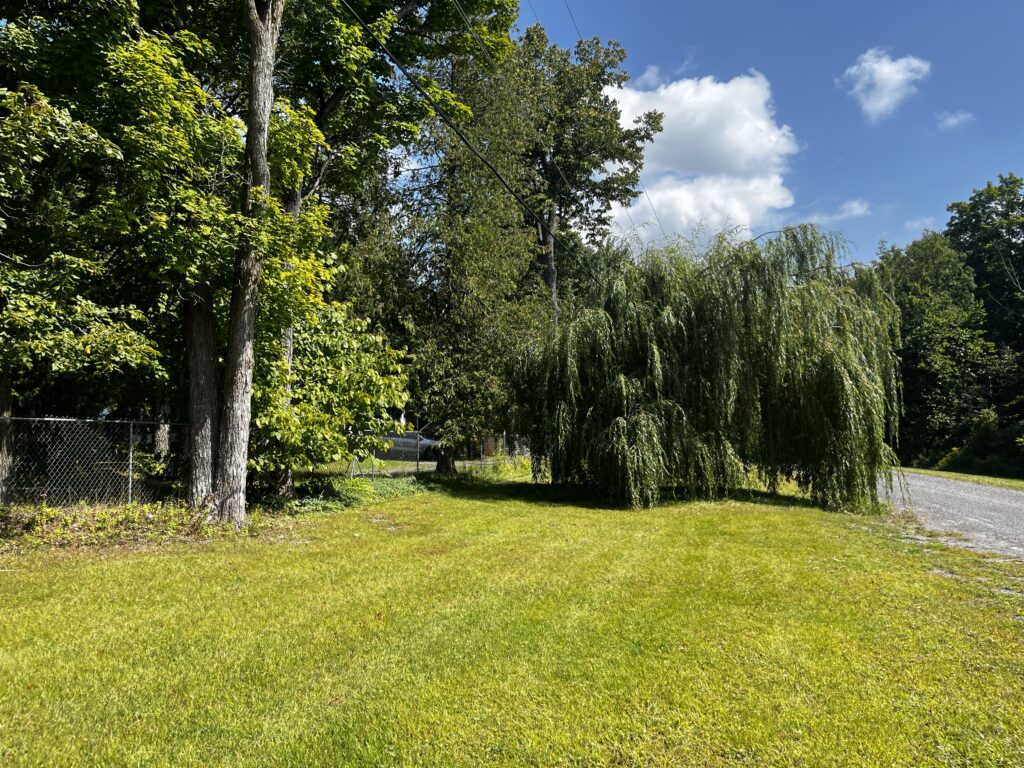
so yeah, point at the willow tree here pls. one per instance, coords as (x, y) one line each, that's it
(689, 372)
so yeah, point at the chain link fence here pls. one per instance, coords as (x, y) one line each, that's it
(67, 461)
(61, 462)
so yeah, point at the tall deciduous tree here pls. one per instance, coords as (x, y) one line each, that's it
(948, 365)
(447, 271)
(263, 28)
(989, 230)
(584, 159)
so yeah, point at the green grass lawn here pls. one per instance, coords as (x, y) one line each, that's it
(488, 625)
(995, 482)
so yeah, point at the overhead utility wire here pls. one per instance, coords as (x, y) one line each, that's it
(494, 68)
(449, 122)
(578, 33)
(651, 203)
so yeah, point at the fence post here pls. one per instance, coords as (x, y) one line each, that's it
(417, 451)
(131, 458)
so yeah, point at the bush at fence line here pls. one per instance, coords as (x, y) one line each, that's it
(315, 491)
(501, 466)
(87, 524)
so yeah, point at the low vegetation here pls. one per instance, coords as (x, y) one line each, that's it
(994, 482)
(33, 525)
(491, 623)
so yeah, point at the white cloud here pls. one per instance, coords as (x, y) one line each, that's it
(651, 78)
(920, 224)
(721, 158)
(949, 120)
(881, 83)
(851, 209)
(685, 204)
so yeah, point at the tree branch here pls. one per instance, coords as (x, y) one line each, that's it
(322, 173)
(252, 12)
(408, 9)
(326, 109)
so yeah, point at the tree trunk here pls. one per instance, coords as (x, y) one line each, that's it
(263, 20)
(286, 482)
(6, 430)
(201, 353)
(446, 464)
(548, 259)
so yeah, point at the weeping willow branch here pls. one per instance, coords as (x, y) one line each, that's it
(688, 373)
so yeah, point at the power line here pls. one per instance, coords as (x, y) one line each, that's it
(494, 68)
(629, 216)
(476, 36)
(651, 203)
(448, 121)
(578, 33)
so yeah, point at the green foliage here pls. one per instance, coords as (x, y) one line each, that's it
(990, 446)
(295, 140)
(327, 492)
(180, 176)
(170, 223)
(90, 525)
(989, 230)
(53, 195)
(159, 216)
(446, 271)
(335, 402)
(949, 368)
(583, 159)
(690, 370)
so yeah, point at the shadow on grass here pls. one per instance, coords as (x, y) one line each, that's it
(546, 494)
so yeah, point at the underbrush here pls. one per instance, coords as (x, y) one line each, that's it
(29, 525)
(501, 467)
(993, 447)
(25, 526)
(320, 492)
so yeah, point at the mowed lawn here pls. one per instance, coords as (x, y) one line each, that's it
(487, 626)
(995, 482)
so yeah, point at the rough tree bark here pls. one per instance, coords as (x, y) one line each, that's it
(263, 25)
(446, 463)
(203, 391)
(548, 260)
(286, 482)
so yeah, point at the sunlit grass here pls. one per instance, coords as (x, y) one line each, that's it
(493, 625)
(995, 482)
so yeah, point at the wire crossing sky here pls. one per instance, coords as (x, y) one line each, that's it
(449, 122)
(866, 118)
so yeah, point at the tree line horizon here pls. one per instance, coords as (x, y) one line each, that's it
(244, 215)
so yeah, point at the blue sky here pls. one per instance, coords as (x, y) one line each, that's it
(867, 117)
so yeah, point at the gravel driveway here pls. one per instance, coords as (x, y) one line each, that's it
(992, 519)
